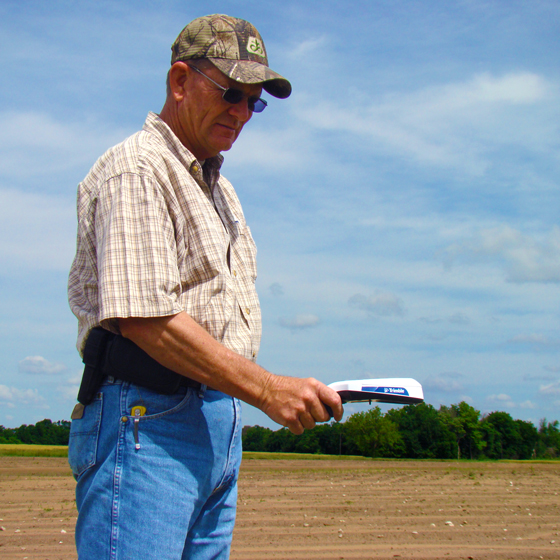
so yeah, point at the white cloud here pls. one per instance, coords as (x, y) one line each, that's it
(35, 143)
(382, 304)
(299, 322)
(68, 392)
(535, 340)
(518, 88)
(36, 230)
(449, 125)
(5, 393)
(501, 399)
(459, 319)
(528, 405)
(13, 395)
(76, 379)
(550, 390)
(449, 382)
(39, 365)
(276, 289)
(286, 149)
(539, 377)
(305, 48)
(525, 258)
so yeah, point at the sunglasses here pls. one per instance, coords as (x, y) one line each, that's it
(234, 96)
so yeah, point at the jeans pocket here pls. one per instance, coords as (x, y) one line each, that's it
(157, 404)
(84, 435)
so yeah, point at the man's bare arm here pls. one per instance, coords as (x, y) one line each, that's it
(182, 345)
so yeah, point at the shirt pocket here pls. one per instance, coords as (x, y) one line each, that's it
(248, 253)
(84, 437)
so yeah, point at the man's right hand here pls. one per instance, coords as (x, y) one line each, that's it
(298, 403)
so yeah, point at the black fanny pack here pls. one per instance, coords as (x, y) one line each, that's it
(109, 354)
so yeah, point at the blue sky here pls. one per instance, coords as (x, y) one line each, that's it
(404, 200)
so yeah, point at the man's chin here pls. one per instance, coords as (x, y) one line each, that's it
(224, 145)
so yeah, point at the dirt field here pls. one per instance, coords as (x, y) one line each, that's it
(307, 510)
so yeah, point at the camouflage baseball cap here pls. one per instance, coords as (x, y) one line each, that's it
(235, 47)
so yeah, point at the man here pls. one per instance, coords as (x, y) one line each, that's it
(169, 320)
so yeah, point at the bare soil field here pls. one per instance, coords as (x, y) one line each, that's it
(328, 509)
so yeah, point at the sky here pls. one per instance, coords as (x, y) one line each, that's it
(404, 200)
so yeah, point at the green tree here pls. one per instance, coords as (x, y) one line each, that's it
(281, 441)
(255, 438)
(502, 436)
(333, 440)
(44, 432)
(308, 442)
(373, 434)
(424, 434)
(463, 421)
(7, 435)
(528, 439)
(548, 445)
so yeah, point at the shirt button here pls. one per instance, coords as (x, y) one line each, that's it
(235, 272)
(195, 168)
(248, 311)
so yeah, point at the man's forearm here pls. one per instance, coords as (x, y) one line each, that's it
(182, 345)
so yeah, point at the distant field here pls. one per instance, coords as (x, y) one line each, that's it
(248, 455)
(22, 450)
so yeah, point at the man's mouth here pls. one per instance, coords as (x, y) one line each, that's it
(233, 128)
(229, 130)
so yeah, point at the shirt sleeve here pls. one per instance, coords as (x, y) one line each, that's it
(138, 274)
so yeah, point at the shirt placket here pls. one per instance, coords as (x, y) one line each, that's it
(230, 299)
(232, 224)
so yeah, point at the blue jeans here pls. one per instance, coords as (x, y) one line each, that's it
(162, 486)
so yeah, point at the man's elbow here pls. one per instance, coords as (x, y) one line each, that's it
(138, 329)
(132, 327)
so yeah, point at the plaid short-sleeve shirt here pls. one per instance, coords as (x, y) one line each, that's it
(155, 238)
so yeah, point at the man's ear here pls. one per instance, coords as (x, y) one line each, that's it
(179, 74)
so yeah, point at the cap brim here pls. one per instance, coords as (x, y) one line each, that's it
(249, 72)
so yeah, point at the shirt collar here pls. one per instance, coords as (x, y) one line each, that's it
(156, 125)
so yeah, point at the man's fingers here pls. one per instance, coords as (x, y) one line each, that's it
(332, 402)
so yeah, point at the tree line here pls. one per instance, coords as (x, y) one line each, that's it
(413, 432)
(417, 432)
(45, 432)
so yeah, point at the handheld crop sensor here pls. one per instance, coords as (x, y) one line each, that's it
(392, 390)
(396, 390)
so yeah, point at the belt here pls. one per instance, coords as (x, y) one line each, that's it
(116, 356)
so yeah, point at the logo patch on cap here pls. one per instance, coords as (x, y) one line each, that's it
(254, 46)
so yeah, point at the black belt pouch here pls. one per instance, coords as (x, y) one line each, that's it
(94, 356)
(108, 354)
(127, 361)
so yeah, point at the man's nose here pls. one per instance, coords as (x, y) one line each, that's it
(241, 110)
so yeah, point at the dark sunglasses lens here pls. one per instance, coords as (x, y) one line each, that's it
(256, 104)
(233, 96)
